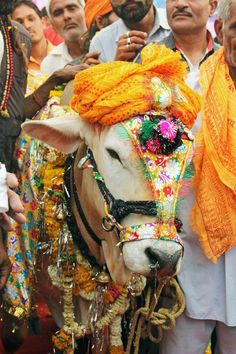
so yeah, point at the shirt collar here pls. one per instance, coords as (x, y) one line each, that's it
(62, 51)
(161, 18)
(33, 63)
(210, 46)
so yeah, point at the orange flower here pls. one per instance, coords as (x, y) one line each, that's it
(116, 350)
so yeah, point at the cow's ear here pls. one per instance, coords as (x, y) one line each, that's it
(62, 133)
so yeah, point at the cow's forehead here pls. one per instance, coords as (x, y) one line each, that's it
(164, 170)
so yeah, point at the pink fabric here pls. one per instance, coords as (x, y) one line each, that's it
(52, 36)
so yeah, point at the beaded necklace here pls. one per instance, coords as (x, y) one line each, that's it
(9, 69)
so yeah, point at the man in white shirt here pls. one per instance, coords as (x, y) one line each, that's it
(209, 288)
(67, 18)
(140, 23)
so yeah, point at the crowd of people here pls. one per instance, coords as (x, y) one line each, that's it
(41, 49)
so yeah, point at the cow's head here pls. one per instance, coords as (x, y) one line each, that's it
(139, 160)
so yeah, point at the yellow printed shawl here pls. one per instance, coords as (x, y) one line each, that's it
(214, 214)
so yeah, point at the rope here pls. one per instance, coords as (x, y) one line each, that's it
(145, 318)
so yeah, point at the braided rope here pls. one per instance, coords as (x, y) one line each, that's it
(145, 318)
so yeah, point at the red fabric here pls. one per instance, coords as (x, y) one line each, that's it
(52, 36)
(42, 342)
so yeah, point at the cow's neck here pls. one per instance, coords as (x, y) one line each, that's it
(86, 190)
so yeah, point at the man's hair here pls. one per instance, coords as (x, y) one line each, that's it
(81, 2)
(224, 9)
(44, 12)
(28, 3)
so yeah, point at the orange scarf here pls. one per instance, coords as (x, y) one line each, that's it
(214, 214)
(112, 92)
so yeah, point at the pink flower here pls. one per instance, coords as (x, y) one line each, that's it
(153, 145)
(168, 129)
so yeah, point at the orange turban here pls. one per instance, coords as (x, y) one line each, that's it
(109, 93)
(95, 8)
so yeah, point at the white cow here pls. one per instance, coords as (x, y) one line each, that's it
(115, 157)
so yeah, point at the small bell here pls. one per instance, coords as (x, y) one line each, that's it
(4, 113)
(102, 278)
(59, 212)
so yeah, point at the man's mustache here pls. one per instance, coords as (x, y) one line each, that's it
(181, 12)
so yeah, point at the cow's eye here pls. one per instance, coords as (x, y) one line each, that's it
(113, 154)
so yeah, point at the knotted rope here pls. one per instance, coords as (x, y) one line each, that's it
(146, 317)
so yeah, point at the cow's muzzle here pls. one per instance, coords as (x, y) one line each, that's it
(164, 264)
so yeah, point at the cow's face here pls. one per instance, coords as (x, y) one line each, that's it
(135, 167)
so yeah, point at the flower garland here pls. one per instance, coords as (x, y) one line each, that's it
(70, 270)
(9, 69)
(115, 300)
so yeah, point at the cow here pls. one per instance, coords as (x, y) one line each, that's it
(121, 185)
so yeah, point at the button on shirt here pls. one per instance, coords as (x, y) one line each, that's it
(56, 59)
(105, 41)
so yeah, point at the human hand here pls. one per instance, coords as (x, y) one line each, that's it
(91, 58)
(16, 208)
(129, 44)
(68, 72)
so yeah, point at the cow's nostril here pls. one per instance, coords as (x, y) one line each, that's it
(153, 257)
(159, 260)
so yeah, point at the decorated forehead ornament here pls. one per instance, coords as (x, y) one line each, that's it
(164, 146)
(157, 109)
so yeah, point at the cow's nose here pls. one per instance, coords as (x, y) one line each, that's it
(162, 263)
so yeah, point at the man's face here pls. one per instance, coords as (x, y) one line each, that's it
(6, 6)
(189, 16)
(227, 35)
(30, 20)
(67, 18)
(131, 11)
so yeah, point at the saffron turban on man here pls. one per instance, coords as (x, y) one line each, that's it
(112, 92)
(95, 8)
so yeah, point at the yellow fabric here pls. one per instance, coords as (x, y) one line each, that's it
(214, 214)
(112, 92)
(95, 8)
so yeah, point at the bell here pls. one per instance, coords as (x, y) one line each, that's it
(61, 215)
(59, 212)
(102, 277)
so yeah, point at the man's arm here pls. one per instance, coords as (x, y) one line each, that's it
(39, 97)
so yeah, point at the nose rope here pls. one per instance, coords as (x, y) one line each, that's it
(145, 318)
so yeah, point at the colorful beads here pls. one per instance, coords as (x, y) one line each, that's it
(9, 72)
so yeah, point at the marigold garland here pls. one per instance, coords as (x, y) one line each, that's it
(71, 271)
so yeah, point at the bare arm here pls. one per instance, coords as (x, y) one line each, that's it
(38, 99)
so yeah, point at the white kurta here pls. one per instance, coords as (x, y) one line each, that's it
(210, 289)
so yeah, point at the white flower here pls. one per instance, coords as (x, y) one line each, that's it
(173, 169)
